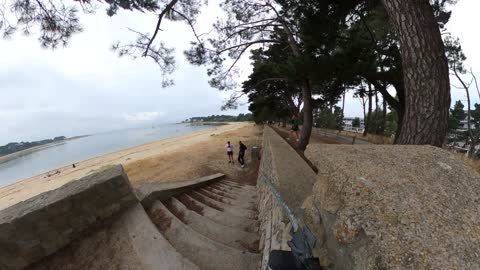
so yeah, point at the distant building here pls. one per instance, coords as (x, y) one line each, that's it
(348, 125)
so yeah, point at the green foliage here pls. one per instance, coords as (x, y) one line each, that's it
(57, 21)
(268, 108)
(19, 146)
(356, 122)
(325, 118)
(376, 122)
(392, 124)
(455, 55)
(221, 118)
(457, 114)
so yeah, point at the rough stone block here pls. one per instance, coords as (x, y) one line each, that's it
(41, 225)
(395, 207)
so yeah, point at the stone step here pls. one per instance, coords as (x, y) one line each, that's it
(236, 190)
(201, 250)
(131, 242)
(224, 207)
(243, 186)
(248, 225)
(149, 245)
(241, 202)
(225, 193)
(230, 193)
(227, 235)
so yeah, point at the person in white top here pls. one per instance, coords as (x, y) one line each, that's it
(229, 148)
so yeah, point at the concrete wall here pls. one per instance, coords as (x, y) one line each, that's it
(293, 178)
(395, 207)
(374, 206)
(41, 225)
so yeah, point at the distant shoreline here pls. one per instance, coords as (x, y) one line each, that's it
(28, 151)
(207, 123)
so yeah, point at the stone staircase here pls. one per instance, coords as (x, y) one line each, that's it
(214, 226)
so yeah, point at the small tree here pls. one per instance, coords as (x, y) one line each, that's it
(356, 122)
(457, 114)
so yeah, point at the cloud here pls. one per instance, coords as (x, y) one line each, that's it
(85, 88)
(143, 116)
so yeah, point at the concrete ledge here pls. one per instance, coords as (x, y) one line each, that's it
(395, 207)
(150, 192)
(293, 179)
(131, 242)
(41, 225)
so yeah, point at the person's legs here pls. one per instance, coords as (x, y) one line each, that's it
(240, 158)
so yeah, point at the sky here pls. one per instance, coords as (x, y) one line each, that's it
(85, 88)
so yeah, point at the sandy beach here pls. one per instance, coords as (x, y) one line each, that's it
(174, 159)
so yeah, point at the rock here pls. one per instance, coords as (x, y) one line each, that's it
(395, 207)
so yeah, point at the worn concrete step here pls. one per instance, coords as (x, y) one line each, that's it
(131, 242)
(237, 187)
(236, 184)
(227, 235)
(248, 225)
(149, 245)
(232, 194)
(241, 202)
(231, 209)
(201, 250)
(236, 190)
(225, 193)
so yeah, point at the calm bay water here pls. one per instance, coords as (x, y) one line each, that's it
(84, 148)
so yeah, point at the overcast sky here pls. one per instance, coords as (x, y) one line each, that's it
(85, 88)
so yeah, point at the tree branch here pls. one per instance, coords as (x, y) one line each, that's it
(190, 23)
(157, 28)
(249, 44)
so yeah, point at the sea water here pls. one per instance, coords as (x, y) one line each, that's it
(76, 150)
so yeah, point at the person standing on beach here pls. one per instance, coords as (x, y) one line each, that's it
(229, 148)
(241, 154)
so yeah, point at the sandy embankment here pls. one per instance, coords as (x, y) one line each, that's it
(175, 159)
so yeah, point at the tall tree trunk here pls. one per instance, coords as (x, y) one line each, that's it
(384, 117)
(306, 93)
(377, 111)
(343, 101)
(368, 123)
(425, 72)
(307, 116)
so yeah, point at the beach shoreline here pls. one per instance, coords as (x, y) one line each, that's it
(28, 151)
(32, 186)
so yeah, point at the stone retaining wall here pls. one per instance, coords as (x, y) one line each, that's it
(373, 206)
(395, 207)
(41, 225)
(293, 178)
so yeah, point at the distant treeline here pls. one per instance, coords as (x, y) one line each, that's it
(19, 146)
(221, 118)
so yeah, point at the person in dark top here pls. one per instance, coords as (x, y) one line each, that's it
(241, 154)
(294, 128)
